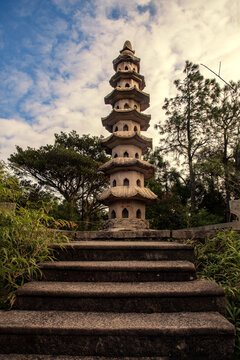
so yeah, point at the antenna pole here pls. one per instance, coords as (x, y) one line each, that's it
(218, 75)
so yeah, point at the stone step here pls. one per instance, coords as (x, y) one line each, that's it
(123, 250)
(118, 271)
(66, 357)
(194, 335)
(122, 297)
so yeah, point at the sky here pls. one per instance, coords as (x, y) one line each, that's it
(56, 59)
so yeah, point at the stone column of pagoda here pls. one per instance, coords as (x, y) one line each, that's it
(127, 196)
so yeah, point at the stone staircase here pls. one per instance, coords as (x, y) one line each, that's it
(118, 299)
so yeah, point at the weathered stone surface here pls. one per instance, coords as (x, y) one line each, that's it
(203, 232)
(117, 318)
(126, 224)
(235, 208)
(124, 235)
(122, 297)
(108, 334)
(118, 271)
(123, 250)
(66, 357)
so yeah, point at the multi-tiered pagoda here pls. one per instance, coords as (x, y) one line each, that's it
(127, 196)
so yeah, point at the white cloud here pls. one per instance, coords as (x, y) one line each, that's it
(69, 86)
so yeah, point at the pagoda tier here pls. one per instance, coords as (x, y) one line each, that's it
(131, 93)
(127, 138)
(124, 115)
(121, 79)
(128, 164)
(127, 193)
(127, 197)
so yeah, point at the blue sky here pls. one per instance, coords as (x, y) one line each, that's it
(56, 58)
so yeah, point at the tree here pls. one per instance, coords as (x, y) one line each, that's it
(225, 134)
(170, 210)
(69, 166)
(187, 127)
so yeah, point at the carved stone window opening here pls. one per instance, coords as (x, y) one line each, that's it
(125, 213)
(138, 214)
(126, 182)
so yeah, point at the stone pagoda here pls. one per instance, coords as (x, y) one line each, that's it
(127, 196)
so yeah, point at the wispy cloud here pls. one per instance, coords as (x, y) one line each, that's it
(58, 76)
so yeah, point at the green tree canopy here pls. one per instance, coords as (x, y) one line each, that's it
(69, 166)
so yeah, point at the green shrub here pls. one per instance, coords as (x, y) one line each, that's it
(24, 242)
(25, 239)
(218, 259)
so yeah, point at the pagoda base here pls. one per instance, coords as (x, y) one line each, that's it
(126, 224)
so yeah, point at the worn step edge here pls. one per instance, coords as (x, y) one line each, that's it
(121, 265)
(127, 245)
(67, 357)
(199, 288)
(67, 323)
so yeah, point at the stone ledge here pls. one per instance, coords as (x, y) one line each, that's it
(66, 357)
(126, 224)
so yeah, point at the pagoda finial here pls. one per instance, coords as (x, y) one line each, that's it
(127, 46)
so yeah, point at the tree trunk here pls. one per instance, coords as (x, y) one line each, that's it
(226, 178)
(190, 161)
(192, 188)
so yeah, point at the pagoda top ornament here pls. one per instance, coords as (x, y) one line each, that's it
(127, 46)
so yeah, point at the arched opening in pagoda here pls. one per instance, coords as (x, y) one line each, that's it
(116, 155)
(138, 214)
(117, 107)
(126, 67)
(127, 85)
(126, 154)
(125, 128)
(126, 106)
(138, 182)
(125, 182)
(125, 213)
(135, 128)
(135, 106)
(113, 214)
(116, 128)
(136, 156)
(114, 183)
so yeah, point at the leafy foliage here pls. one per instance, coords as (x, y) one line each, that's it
(201, 133)
(218, 259)
(24, 241)
(186, 129)
(70, 167)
